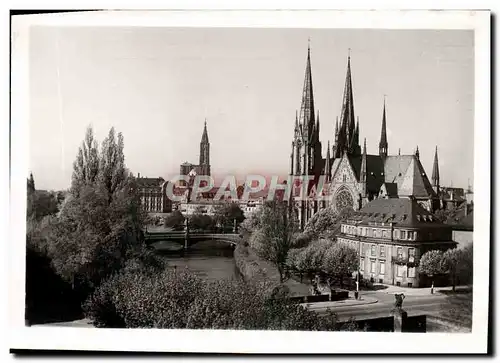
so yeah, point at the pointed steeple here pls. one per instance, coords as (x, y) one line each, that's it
(205, 151)
(347, 120)
(307, 117)
(417, 153)
(382, 147)
(204, 137)
(362, 174)
(296, 122)
(327, 162)
(435, 171)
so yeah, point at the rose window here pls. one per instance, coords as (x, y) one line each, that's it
(343, 200)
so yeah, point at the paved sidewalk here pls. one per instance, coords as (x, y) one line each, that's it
(364, 300)
(415, 291)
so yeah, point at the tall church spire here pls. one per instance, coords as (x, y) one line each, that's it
(205, 151)
(435, 172)
(362, 175)
(382, 146)
(347, 119)
(327, 163)
(204, 137)
(307, 117)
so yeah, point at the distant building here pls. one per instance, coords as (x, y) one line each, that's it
(451, 197)
(152, 192)
(391, 235)
(353, 177)
(203, 168)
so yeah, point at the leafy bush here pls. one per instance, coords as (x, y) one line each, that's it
(175, 219)
(177, 300)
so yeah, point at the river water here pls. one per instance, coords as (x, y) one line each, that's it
(210, 260)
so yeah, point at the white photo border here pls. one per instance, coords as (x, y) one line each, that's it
(219, 341)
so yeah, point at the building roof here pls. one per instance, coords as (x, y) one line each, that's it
(404, 171)
(150, 182)
(399, 211)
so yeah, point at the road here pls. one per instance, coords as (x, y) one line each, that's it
(414, 305)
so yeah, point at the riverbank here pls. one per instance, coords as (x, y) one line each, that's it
(255, 269)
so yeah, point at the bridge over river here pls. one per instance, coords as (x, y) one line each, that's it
(190, 238)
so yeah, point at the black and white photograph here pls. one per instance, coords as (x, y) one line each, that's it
(245, 182)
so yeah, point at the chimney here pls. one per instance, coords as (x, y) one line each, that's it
(138, 175)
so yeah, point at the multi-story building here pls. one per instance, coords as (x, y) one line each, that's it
(353, 177)
(152, 192)
(391, 235)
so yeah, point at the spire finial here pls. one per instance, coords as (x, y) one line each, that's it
(349, 53)
(308, 43)
(205, 122)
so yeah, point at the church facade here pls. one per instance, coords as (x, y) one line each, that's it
(352, 177)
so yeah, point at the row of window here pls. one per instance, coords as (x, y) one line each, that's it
(399, 251)
(372, 249)
(379, 233)
(379, 268)
(152, 203)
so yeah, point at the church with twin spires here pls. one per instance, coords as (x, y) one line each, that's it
(353, 177)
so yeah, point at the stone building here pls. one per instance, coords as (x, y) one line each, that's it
(152, 192)
(353, 177)
(391, 235)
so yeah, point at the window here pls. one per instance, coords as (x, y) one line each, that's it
(400, 252)
(399, 270)
(396, 233)
(403, 234)
(382, 251)
(410, 284)
(410, 235)
(411, 271)
(411, 255)
(382, 267)
(372, 266)
(344, 178)
(384, 233)
(362, 264)
(362, 249)
(373, 250)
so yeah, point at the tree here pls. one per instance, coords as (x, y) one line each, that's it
(326, 223)
(252, 223)
(278, 229)
(465, 270)
(100, 222)
(452, 259)
(226, 213)
(175, 219)
(431, 264)
(339, 261)
(201, 221)
(86, 165)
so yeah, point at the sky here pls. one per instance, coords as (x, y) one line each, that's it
(158, 85)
